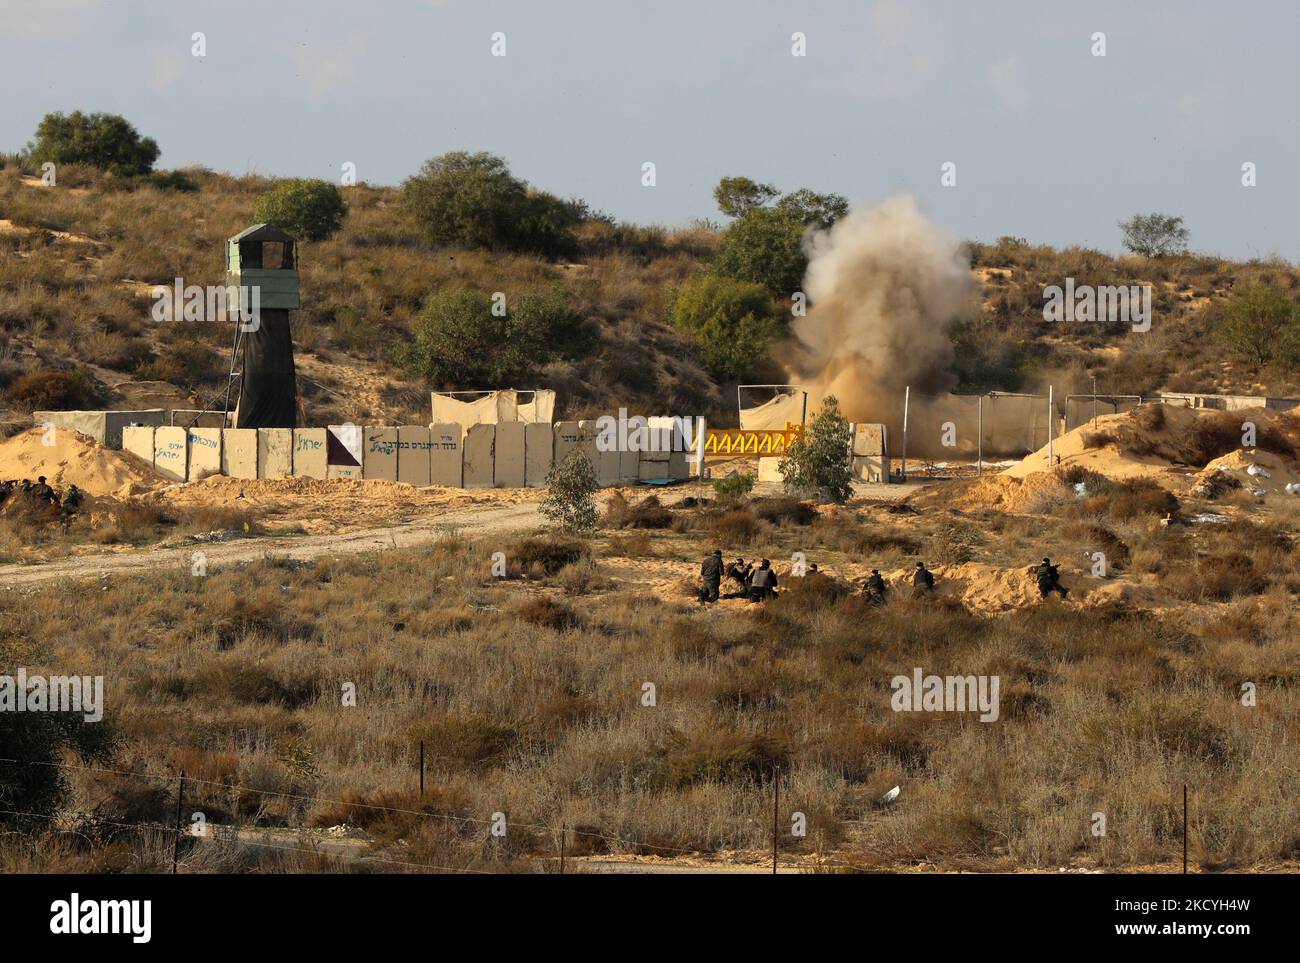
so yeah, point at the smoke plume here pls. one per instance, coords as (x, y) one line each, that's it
(884, 282)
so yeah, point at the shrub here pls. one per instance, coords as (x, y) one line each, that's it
(461, 340)
(764, 247)
(733, 488)
(472, 200)
(647, 513)
(40, 739)
(818, 463)
(546, 556)
(63, 390)
(733, 323)
(780, 511)
(721, 756)
(736, 527)
(309, 209)
(570, 485)
(106, 141)
(550, 614)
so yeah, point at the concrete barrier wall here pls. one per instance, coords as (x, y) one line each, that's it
(170, 451)
(628, 466)
(139, 442)
(604, 463)
(568, 436)
(239, 452)
(445, 466)
(274, 452)
(479, 445)
(869, 440)
(539, 446)
(205, 452)
(104, 426)
(413, 455)
(379, 453)
(310, 453)
(508, 459)
(343, 457)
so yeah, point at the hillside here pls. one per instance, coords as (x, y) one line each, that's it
(78, 262)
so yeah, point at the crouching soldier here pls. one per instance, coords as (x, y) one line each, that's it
(922, 581)
(1049, 579)
(73, 499)
(763, 584)
(711, 576)
(875, 588)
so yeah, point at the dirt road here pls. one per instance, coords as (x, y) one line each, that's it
(428, 528)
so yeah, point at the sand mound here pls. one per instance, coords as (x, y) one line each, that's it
(74, 459)
(1164, 443)
(1003, 492)
(1256, 470)
(979, 587)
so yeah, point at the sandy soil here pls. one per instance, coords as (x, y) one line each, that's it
(73, 459)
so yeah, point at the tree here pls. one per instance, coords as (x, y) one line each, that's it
(473, 201)
(309, 209)
(1154, 235)
(737, 196)
(733, 322)
(764, 247)
(819, 462)
(106, 141)
(812, 209)
(570, 485)
(1260, 324)
(470, 339)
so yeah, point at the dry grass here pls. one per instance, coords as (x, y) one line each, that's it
(535, 707)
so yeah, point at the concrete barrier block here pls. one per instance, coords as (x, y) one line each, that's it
(343, 451)
(539, 446)
(104, 426)
(445, 467)
(769, 470)
(274, 452)
(868, 439)
(871, 468)
(310, 452)
(170, 453)
(205, 452)
(508, 459)
(379, 453)
(138, 441)
(678, 467)
(653, 470)
(239, 452)
(660, 440)
(568, 436)
(479, 451)
(413, 455)
(627, 466)
(605, 463)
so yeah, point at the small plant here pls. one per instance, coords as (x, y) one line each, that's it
(818, 464)
(570, 485)
(733, 488)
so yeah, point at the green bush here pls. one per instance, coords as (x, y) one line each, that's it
(472, 200)
(1260, 324)
(818, 463)
(570, 485)
(460, 340)
(733, 322)
(734, 487)
(106, 141)
(62, 390)
(309, 209)
(765, 247)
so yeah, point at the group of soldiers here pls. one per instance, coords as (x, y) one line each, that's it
(41, 493)
(759, 584)
(754, 584)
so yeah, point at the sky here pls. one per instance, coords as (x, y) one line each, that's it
(1049, 141)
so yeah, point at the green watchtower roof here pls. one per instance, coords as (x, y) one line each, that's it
(265, 257)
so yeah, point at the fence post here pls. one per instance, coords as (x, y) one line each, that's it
(776, 802)
(421, 768)
(563, 830)
(1184, 829)
(176, 847)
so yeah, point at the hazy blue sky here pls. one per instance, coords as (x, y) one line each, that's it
(1050, 142)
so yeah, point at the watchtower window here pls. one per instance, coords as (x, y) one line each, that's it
(273, 255)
